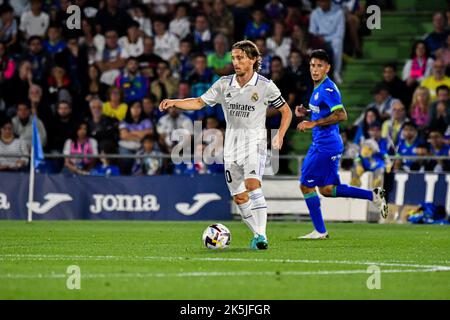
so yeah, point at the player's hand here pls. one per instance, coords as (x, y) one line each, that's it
(301, 111)
(305, 125)
(166, 104)
(277, 142)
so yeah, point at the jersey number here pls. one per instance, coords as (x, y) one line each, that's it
(228, 176)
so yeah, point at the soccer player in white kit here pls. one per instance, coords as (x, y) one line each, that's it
(245, 97)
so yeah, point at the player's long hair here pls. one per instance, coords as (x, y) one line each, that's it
(251, 50)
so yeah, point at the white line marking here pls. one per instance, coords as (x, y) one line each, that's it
(209, 274)
(43, 257)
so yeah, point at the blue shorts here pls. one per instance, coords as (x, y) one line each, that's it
(320, 169)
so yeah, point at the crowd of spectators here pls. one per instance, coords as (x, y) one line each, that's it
(412, 110)
(96, 90)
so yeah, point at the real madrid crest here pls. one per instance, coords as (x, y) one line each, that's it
(255, 97)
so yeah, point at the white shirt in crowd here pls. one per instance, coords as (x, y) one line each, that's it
(17, 146)
(166, 46)
(180, 27)
(131, 49)
(168, 124)
(281, 50)
(33, 25)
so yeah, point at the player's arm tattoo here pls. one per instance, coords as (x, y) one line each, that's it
(336, 116)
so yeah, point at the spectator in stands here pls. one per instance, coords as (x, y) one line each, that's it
(283, 79)
(382, 101)
(134, 85)
(420, 107)
(439, 148)
(384, 145)
(105, 168)
(61, 128)
(111, 59)
(54, 43)
(423, 150)
(299, 69)
(103, 129)
(444, 54)
(440, 116)
(275, 10)
(150, 109)
(353, 14)
(202, 77)
(8, 26)
(23, 125)
(7, 64)
(133, 43)
(148, 61)
(184, 92)
(58, 84)
(80, 143)
(115, 107)
(180, 25)
(419, 65)
(34, 22)
(438, 37)
(221, 19)
(351, 150)
(93, 88)
(371, 116)
(327, 22)
(181, 63)
(111, 17)
(168, 123)
(299, 40)
(133, 129)
(407, 145)
(220, 59)
(278, 44)
(38, 106)
(266, 57)
(201, 35)
(17, 87)
(165, 85)
(166, 44)
(39, 59)
(153, 164)
(91, 41)
(9, 145)
(391, 128)
(139, 14)
(436, 79)
(257, 28)
(397, 88)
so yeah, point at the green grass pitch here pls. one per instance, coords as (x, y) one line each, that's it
(166, 260)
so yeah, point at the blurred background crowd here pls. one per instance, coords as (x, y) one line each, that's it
(96, 90)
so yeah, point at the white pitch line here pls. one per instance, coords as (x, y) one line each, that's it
(209, 274)
(43, 257)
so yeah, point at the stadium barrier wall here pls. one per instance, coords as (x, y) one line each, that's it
(67, 197)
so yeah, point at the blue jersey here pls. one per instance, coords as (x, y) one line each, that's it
(405, 149)
(325, 99)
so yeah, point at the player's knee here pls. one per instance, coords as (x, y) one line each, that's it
(241, 198)
(306, 190)
(326, 191)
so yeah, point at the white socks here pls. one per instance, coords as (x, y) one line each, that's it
(259, 210)
(247, 216)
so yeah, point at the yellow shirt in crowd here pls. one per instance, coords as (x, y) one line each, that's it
(118, 113)
(431, 84)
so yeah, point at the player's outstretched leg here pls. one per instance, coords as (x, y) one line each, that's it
(377, 195)
(313, 203)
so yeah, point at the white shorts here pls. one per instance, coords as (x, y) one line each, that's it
(236, 172)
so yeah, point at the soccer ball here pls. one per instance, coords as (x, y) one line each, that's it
(216, 236)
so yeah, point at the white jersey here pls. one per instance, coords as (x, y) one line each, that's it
(245, 112)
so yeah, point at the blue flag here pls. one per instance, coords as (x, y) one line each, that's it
(37, 146)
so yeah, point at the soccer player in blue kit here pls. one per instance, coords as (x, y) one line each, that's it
(321, 164)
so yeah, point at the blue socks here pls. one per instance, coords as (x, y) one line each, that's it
(313, 203)
(345, 191)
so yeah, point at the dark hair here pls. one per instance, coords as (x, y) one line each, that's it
(392, 65)
(6, 7)
(424, 145)
(133, 23)
(409, 124)
(366, 126)
(5, 121)
(128, 118)
(32, 38)
(25, 103)
(251, 50)
(414, 47)
(147, 138)
(60, 102)
(320, 54)
(74, 137)
(276, 58)
(442, 87)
